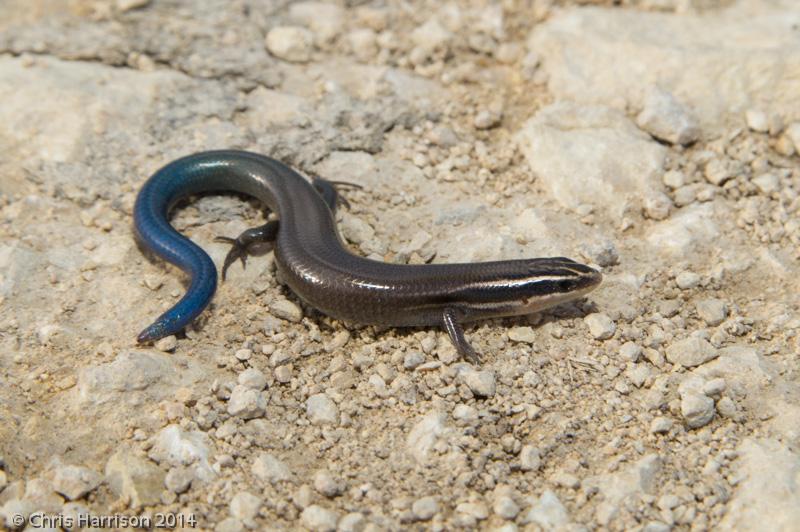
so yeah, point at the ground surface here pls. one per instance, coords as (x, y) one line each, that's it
(656, 139)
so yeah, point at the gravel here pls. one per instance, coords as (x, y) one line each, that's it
(473, 138)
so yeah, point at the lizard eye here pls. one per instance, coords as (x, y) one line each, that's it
(565, 285)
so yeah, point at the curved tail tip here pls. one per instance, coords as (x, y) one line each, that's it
(151, 333)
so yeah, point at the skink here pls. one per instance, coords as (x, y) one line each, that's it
(314, 262)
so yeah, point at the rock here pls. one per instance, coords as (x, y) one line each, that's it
(756, 120)
(712, 311)
(325, 20)
(176, 447)
(601, 327)
(230, 524)
(431, 36)
(326, 484)
(793, 134)
(319, 519)
(486, 119)
(767, 183)
(136, 479)
(130, 371)
(530, 458)
(505, 507)
(14, 510)
(167, 344)
(612, 162)
(363, 43)
(481, 383)
(547, 512)
(630, 351)
(690, 55)
(674, 179)
(74, 482)
(768, 493)
(353, 522)
(666, 119)
(244, 506)
(465, 413)
(413, 359)
(691, 352)
(321, 410)
(130, 5)
(40, 492)
(697, 408)
(253, 379)
(660, 425)
(425, 508)
(688, 230)
(718, 171)
(290, 43)
(270, 469)
(285, 309)
(638, 374)
(178, 479)
(246, 402)
(424, 435)
(522, 334)
(657, 206)
(687, 280)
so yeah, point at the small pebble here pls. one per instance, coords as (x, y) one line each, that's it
(412, 359)
(727, 408)
(530, 458)
(505, 507)
(481, 383)
(691, 352)
(325, 484)
(712, 311)
(657, 206)
(246, 402)
(73, 482)
(486, 119)
(285, 309)
(353, 522)
(767, 183)
(717, 172)
(167, 344)
(757, 120)
(283, 374)
(674, 179)
(714, 386)
(601, 327)
(253, 378)
(660, 425)
(465, 413)
(425, 508)
(321, 410)
(687, 280)
(522, 334)
(667, 119)
(245, 506)
(290, 43)
(566, 480)
(793, 134)
(697, 409)
(178, 479)
(319, 519)
(630, 351)
(268, 468)
(243, 354)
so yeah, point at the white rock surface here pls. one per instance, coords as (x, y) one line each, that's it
(769, 489)
(611, 161)
(690, 55)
